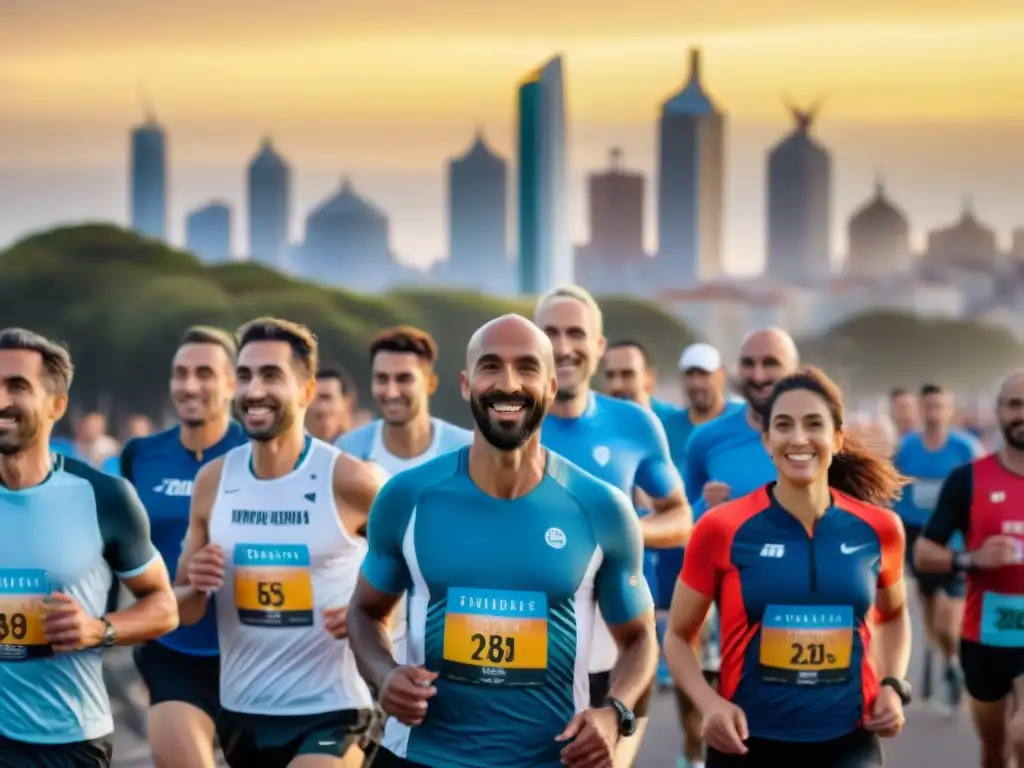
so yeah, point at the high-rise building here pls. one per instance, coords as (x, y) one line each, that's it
(691, 182)
(148, 179)
(799, 203)
(545, 253)
(477, 209)
(208, 232)
(879, 237)
(616, 213)
(269, 190)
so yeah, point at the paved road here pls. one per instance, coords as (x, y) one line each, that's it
(930, 740)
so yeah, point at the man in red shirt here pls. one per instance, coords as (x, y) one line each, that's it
(985, 501)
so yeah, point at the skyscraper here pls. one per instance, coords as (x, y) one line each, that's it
(691, 182)
(799, 203)
(616, 213)
(269, 190)
(477, 209)
(545, 253)
(148, 179)
(208, 232)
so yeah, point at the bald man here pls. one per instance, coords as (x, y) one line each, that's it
(501, 647)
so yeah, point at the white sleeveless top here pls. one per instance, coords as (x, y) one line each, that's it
(288, 558)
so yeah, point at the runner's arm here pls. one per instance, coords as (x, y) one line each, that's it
(383, 579)
(951, 514)
(695, 475)
(891, 618)
(625, 599)
(356, 484)
(128, 550)
(670, 520)
(127, 458)
(192, 603)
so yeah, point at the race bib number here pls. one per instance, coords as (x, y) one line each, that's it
(273, 586)
(1002, 620)
(925, 493)
(495, 637)
(806, 644)
(22, 634)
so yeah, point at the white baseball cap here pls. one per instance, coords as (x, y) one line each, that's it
(701, 356)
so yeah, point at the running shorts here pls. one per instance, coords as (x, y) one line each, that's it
(953, 584)
(989, 671)
(273, 741)
(858, 749)
(600, 684)
(81, 754)
(175, 676)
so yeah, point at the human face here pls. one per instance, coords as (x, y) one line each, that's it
(764, 360)
(509, 388)
(802, 437)
(92, 427)
(1010, 413)
(271, 396)
(202, 383)
(28, 409)
(577, 343)
(703, 389)
(401, 385)
(905, 413)
(330, 414)
(937, 411)
(626, 375)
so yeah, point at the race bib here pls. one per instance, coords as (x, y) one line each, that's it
(806, 644)
(925, 493)
(22, 634)
(495, 637)
(273, 586)
(1002, 620)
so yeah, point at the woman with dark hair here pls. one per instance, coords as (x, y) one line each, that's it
(807, 576)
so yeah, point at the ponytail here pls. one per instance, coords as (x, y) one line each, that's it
(862, 473)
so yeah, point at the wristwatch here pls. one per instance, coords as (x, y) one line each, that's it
(902, 688)
(963, 561)
(627, 720)
(109, 634)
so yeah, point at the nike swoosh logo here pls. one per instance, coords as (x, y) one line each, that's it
(850, 550)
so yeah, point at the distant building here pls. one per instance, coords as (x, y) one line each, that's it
(1017, 244)
(545, 252)
(268, 186)
(691, 183)
(208, 232)
(879, 237)
(477, 211)
(148, 180)
(967, 244)
(799, 204)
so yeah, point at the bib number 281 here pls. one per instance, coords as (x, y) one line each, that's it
(497, 649)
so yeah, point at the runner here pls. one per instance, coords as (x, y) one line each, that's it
(69, 532)
(807, 574)
(615, 441)
(928, 457)
(905, 411)
(629, 375)
(274, 523)
(181, 670)
(504, 548)
(332, 411)
(983, 501)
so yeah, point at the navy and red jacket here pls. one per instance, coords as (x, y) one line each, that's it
(796, 609)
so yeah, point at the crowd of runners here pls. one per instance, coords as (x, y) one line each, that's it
(309, 593)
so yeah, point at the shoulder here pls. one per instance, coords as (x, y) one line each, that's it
(910, 441)
(629, 417)
(967, 443)
(603, 502)
(453, 436)
(734, 513)
(112, 494)
(208, 477)
(963, 476)
(408, 486)
(359, 440)
(712, 430)
(354, 473)
(141, 446)
(884, 521)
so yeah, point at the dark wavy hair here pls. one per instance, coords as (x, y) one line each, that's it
(856, 470)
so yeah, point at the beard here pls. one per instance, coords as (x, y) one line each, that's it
(757, 397)
(281, 420)
(506, 437)
(1017, 443)
(21, 435)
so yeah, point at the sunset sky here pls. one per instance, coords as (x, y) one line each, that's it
(930, 94)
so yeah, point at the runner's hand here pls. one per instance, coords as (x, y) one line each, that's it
(68, 627)
(594, 734)
(206, 569)
(336, 621)
(887, 718)
(995, 552)
(716, 493)
(724, 727)
(405, 691)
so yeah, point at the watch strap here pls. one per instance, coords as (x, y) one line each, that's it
(902, 687)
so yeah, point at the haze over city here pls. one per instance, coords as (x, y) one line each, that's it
(926, 96)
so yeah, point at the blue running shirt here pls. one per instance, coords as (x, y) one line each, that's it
(73, 533)
(505, 692)
(163, 471)
(929, 470)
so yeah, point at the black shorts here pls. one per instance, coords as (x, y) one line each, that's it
(859, 749)
(273, 741)
(174, 676)
(600, 684)
(928, 584)
(989, 671)
(386, 759)
(81, 754)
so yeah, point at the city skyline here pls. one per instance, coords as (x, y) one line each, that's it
(62, 147)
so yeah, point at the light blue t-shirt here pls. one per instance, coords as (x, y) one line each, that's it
(500, 593)
(929, 470)
(679, 428)
(367, 443)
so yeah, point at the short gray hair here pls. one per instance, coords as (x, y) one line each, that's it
(576, 293)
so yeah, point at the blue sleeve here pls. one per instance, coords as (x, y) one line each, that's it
(656, 476)
(384, 565)
(357, 442)
(622, 590)
(695, 474)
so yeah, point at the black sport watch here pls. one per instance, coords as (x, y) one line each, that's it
(963, 561)
(627, 720)
(902, 688)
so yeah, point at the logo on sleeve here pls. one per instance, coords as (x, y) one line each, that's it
(170, 487)
(555, 538)
(773, 550)
(602, 454)
(847, 550)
